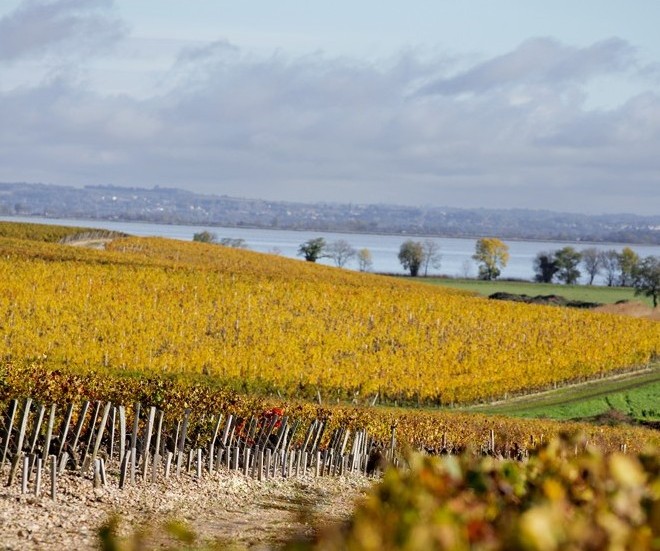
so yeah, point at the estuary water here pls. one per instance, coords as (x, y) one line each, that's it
(456, 254)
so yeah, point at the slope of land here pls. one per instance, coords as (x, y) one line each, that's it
(269, 324)
(635, 396)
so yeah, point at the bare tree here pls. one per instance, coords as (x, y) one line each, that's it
(365, 260)
(466, 269)
(592, 262)
(234, 242)
(341, 252)
(610, 263)
(432, 256)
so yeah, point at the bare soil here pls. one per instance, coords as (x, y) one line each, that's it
(223, 509)
(634, 309)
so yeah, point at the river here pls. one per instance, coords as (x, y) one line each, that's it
(455, 253)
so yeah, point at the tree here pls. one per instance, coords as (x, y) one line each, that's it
(592, 261)
(646, 278)
(341, 252)
(432, 256)
(411, 256)
(205, 237)
(365, 260)
(492, 255)
(312, 249)
(234, 242)
(567, 261)
(545, 267)
(610, 263)
(628, 262)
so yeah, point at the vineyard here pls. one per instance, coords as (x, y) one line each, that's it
(260, 323)
(158, 359)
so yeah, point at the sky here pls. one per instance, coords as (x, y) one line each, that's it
(508, 104)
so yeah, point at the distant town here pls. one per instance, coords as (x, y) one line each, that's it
(175, 206)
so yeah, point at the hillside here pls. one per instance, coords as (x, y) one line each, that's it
(265, 324)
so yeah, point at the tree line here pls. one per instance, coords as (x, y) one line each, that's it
(624, 269)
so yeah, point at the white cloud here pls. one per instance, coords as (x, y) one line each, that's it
(510, 131)
(539, 60)
(58, 27)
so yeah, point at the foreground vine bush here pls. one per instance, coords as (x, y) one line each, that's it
(556, 500)
(567, 497)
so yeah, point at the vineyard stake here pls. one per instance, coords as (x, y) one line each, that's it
(23, 426)
(147, 442)
(168, 464)
(49, 433)
(157, 455)
(104, 480)
(37, 427)
(12, 414)
(269, 458)
(212, 444)
(53, 477)
(14, 467)
(122, 434)
(236, 453)
(26, 470)
(133, 464)
(225, 434)
(97, 474)
(134, 435)
(111, 445)
(182, 441)
(65, 429)
(90, 437)
(64, 458)
(99, 435)
(246, 459)
(124, 470)
(79, 425)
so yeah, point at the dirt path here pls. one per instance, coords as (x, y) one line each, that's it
(222, 507)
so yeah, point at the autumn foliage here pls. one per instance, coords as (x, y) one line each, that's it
(566, 496)
(262, 323)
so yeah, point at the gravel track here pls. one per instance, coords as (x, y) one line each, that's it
(223, 507)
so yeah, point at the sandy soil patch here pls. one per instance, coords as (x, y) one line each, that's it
(634, 309)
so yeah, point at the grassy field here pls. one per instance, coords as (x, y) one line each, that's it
(586, 293)
(636, 396)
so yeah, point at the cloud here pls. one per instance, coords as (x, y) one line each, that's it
(73, 27)
(341, 129)
(538, 60)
